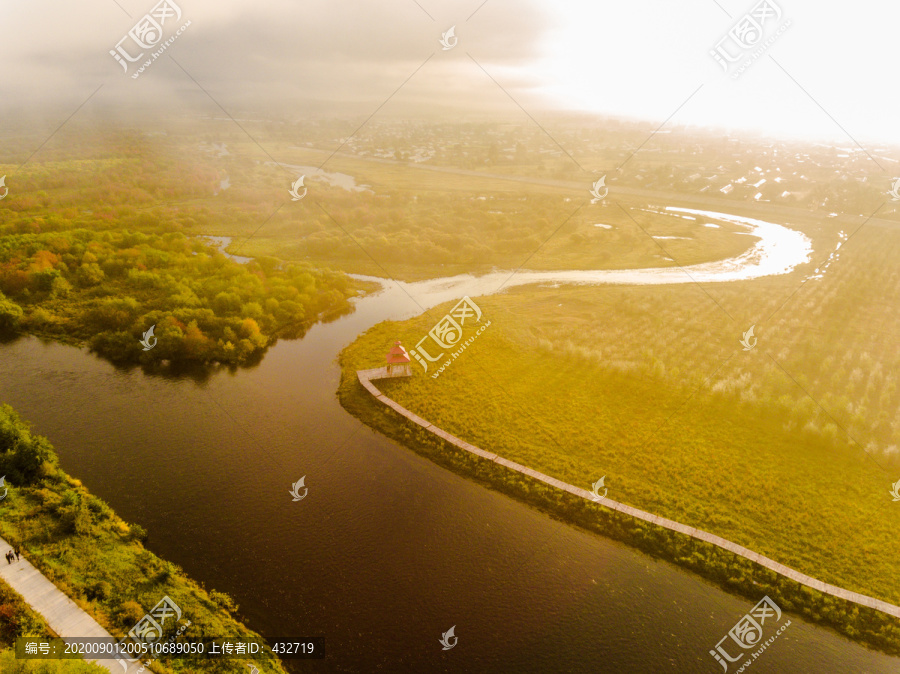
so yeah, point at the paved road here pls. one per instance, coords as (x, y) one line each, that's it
(63, 615)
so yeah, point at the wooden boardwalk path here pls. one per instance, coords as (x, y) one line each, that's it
(62, 614)
(366, 376)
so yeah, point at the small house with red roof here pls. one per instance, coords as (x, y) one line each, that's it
(398, 362)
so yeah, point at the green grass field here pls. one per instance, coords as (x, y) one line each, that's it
(417, 223)
(789, 449)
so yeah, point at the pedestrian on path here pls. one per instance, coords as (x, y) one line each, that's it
(9, 556)
(17, 553)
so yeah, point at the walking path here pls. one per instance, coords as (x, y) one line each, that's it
(365, 377)
(63, 615)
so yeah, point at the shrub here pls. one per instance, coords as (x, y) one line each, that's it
(137, 533)
(129, 614)
(101, 590)
(98, 507)
(10, 314)
(75, 519)
(9, 623)
(165, 573)
(223, 601)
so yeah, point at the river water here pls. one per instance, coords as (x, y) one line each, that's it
(387, 551)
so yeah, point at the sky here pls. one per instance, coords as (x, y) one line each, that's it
(828, 72)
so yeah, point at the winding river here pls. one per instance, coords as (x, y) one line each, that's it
(388, 550)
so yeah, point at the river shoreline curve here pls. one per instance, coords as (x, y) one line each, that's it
(722, 566)
(366, 376)
(727, 565)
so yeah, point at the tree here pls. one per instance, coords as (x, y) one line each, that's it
(10, 314)
(21, 453)
(60, 288)
(226, 303)
(119, 347)
(196, 345)
(43, 279)
(115, 313)
(90, 274)
(252, 310)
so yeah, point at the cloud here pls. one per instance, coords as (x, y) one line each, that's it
(348, 57)
(270, 55)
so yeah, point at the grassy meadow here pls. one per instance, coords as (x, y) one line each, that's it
(412, 223)
(789, 449)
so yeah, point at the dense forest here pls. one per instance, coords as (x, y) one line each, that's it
(109, 288)
(107, 274)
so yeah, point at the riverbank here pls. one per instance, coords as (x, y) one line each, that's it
(97, 559)
(731, 572)
(529, 406)
(60, 615)
(366, 377)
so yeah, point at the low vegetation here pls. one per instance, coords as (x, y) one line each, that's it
(788, 449)
(17, 619)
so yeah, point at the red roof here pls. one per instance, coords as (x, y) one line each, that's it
(398, 354)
